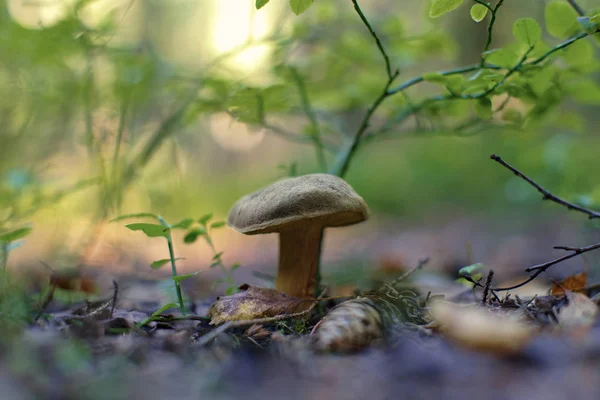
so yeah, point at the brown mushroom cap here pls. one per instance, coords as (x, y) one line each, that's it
(318, 198)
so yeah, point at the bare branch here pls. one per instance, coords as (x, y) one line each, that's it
(546, 194)
(538, 269)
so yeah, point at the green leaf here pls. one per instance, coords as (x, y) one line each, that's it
(590, 24)
(441, 7)
(205, 218)
(579, 53)
(180, 278)
(299, 6)
(234, 267)
(478, 12)
(455, 83)
(470, 269)
(192, 235)
(138, 215)
(183, 224)
(165, 308)
(561, 19)
(17, 234)
(247, 105)
(527, 31)
(483, 108)
(585, 91)
(217, 224)
(261, 3)
(159, 263)
(217, 256)
(150, 230)
(502, 57)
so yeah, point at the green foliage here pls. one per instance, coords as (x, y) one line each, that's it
(204, 231)
(261, 3)
(160, 263)
(561, 19)
(527, 31)
(299, 6)
(151, 230)
(478, 12)
(441, 7)
(590, 24)
(11, 236)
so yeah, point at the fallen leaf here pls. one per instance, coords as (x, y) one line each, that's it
(479, 329)
(73, 280)
(254, 302)
(573, 283)
(580, 312)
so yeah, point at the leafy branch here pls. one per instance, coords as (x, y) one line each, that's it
(343, 163)
(490, 29)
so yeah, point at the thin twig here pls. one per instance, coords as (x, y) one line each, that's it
(114, 299)
(422, 262)
(490, 29)
(388, 66)
(546, 194)
(576, 7)
(455, 71)
(486, 289)
(539, 268)
(558, 47)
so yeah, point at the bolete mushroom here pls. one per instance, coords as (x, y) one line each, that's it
(298, 209)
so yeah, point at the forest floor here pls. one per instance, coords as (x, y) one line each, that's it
(530, 345)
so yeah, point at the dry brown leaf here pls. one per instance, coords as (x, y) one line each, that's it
(480, 329)
(580, 312)
(573, 283)
(254, 302)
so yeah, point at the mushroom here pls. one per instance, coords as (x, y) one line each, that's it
(298, 209)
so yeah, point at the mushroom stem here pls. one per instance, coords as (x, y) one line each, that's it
(299, 251)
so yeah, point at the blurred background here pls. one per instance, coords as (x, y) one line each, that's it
(180, 107)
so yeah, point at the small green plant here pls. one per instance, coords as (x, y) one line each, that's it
(203, 228)
(162, 229)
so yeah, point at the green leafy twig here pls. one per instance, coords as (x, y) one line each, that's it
(455, 71)
(343, 161)
(558, 47)
(204, 231)
(173, 267)
(388, 67)
(490, 29)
